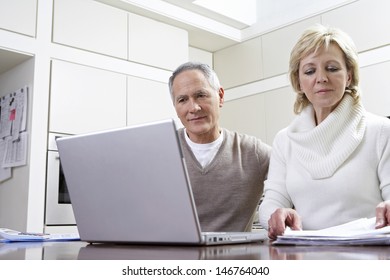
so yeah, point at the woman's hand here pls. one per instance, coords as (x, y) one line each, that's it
(382, 214)
(281, 218)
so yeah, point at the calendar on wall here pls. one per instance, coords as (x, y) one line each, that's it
(13, 131)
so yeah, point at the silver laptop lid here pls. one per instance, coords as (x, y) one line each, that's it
(130, 185)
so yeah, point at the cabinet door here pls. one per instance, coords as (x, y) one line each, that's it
(90, 25)
(279, 110)
(156, 44)
(239, 64)
(245, 115)
(367, 34)
(261, 115)
(375, 87)
(148, 101)
(85, 99)
(17, 19)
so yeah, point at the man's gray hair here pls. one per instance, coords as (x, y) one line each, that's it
(209, 74)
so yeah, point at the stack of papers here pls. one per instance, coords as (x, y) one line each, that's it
(359, 232)
(9, 235)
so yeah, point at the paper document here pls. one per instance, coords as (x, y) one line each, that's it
(9, 235)
(359, 232)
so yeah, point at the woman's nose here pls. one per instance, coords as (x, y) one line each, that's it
(322, 77)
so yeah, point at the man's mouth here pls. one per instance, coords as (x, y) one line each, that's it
(196, 119)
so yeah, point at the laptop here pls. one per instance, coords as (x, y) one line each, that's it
(130, 185)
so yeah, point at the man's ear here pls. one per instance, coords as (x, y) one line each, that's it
(221, 94)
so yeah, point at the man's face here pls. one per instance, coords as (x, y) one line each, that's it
(197, 105)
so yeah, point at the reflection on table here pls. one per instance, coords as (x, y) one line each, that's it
(252, 251)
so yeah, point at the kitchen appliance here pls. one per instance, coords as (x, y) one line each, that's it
(58, 210)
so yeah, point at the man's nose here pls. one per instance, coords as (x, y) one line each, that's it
(194, 107)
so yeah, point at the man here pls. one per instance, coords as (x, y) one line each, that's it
(226, 169)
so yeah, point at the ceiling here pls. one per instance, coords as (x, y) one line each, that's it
(212, 30)
(238, 14)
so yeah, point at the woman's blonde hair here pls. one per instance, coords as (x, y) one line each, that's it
(313, 39)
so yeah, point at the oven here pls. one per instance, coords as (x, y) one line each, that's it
(58, 210)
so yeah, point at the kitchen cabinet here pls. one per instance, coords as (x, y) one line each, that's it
(147, 101)
(156, 44)
(85, 99)
(18, 20)
(103, 31)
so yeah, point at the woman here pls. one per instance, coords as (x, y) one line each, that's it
(331, 165)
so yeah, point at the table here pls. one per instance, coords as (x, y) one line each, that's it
(79, 250)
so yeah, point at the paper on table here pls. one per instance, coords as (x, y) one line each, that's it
(358, 232)
(9, 235)
(358, 227)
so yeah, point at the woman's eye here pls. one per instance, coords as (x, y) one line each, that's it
(332, 69)
(309, 72)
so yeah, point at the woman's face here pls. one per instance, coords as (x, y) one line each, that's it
(323, 77)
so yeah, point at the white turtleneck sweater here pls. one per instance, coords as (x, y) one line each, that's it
(332, 173)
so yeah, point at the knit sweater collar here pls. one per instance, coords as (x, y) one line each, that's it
(322, 149)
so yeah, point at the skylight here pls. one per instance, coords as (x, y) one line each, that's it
(243, 11)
